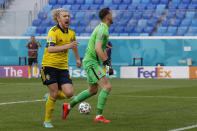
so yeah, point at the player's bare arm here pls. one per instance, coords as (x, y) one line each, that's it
(99, 51)
(75, 51)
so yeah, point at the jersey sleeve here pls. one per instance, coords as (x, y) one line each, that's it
(101, 35)
(51, 39)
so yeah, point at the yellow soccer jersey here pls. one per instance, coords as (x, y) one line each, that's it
(58, 37)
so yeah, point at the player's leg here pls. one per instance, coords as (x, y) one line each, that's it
(49, 78)
(35, 67)
(102, 98)
(29, 67)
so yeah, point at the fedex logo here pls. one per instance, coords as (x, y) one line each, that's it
(158, 72)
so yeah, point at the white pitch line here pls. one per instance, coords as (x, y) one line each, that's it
(184, 128)
(17, 102)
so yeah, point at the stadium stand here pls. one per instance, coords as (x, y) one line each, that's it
(133, 17)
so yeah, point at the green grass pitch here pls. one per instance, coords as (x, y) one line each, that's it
(133, 105)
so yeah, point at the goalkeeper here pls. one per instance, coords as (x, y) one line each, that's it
(95, 54)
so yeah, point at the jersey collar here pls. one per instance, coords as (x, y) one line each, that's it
(105, 25)
(64, 31)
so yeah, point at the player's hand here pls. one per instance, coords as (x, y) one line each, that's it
(107, 62)
(79, 64)
(74, 44)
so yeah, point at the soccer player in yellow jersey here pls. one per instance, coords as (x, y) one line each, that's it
(54, 71)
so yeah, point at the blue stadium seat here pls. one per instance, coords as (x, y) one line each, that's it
(36, 22)
(57, 6)
(175, 22)
(134, 34)
(111, 29)
(165, 23)
(170, 14)
(132, 7)
(118, 2)
(162, 30)
(168, 34)
(142, 22)
(151, 7)
(149, 30)
(119, 29)
(157, 15)
(114, 34)
(80, 29)
(155, 2)
(138, 29)
(99, 2)
(144, 34)
(152, 22)
(89, 15)
(74, 23)
(67, 7)
(53, 23)
(128, 29)
(180, 14)
(85, 7)
(190, 14)
(132, 22)
(147, 15)
(161, 8)
(61, 2)
(114, 7)
(79, 15)
(192, 7)
(127, 15)
(190, 34)
(158, 34)
(70, 2)
(75, 7)
(94, 7)
(85, 34)
(145, 2)
(41, 30)
(164, 2)
(84, 22)
(122, 7)
(123, 34)
(194, 23)
(172, 7)
(108, 2)
(192, 30)
(186, 1)
(176, 2)
(182, 6)
(186, 23)
(126, 2)
(137, 15)
(52, 2)
(31, 29)
(172, 30)
(194, 1)
(136, 2)
(42, 15)
(46, 23)
(181, 31)
(81, 2)
(47, 8)
(141, 7)
(88, 29)
(89, 2)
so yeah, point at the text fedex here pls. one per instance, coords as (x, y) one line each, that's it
(157, 72)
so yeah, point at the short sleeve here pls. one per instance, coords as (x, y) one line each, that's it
(51, 39)
(101, 35)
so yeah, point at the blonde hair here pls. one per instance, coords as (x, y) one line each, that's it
(56, 13)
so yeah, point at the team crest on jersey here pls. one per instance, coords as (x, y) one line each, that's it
(48, 77)
(50, 39)
(99, 73)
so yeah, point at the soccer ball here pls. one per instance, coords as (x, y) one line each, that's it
(84, 108)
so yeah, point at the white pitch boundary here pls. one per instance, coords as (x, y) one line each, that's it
(17, 102)
(184, 128)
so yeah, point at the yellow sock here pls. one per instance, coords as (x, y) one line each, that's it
(61, 95)
(29, 70)
(104, 69)
(35, 71)
(49, 108)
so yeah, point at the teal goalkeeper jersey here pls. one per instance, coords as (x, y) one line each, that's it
(100, 34)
